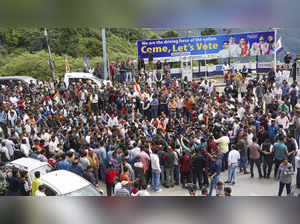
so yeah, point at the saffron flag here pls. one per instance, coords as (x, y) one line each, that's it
(137, 88)
(67, 65)
(56, 96)
(279, 46)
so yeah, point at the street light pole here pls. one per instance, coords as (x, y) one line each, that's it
(104, 53)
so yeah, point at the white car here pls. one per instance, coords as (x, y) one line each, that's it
(4, 80)
(84, 77)
(66, 183)
(31, 166)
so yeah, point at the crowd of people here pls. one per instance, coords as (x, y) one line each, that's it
(148, 131)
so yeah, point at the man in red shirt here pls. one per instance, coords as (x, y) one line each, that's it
(112, 71)
(110, 175)
(185, 169)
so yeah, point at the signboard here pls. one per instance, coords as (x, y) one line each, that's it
(210, 47)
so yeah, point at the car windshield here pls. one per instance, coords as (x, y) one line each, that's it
(43, 170)
(85, 191)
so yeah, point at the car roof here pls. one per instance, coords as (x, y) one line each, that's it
(64, 181)
(76, 74)
(18, 77)
(28, 163)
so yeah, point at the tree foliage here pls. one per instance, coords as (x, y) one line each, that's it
(208, 31)
(169, 34)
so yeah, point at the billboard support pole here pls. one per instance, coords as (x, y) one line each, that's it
(205, 60)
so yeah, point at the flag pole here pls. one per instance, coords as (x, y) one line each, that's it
(49, 52)
(275, 53)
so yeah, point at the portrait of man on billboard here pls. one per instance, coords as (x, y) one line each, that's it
(224, 53)
(234, 49)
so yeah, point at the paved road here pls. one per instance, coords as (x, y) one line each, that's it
(245, 186)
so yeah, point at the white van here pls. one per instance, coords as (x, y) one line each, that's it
(84, 77)
(31, 166)
(4, 80)
(66, 183)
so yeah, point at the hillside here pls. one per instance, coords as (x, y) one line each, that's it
(23, 51)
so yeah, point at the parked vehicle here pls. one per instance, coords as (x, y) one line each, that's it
(31, 166)
(85, 78)
(66, 183)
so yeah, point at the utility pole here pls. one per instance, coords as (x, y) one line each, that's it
(104, 53)
(51, 62)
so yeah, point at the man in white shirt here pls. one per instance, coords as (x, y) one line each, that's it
(24, 148)
(286, 75)
(283, 120)
(10, 145)
(155, 171)
(113, 121)
(45, 136)
(225, 52)
(234, 49)
(233, 159)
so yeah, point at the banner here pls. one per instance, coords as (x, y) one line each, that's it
(210, 47)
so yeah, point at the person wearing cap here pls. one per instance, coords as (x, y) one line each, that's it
(285, 180)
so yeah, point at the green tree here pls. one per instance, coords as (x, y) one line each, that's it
(169, 34)
(208, 31)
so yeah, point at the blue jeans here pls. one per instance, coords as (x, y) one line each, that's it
(154, 110)
(232, 172)
(102, 171)
(291, 160)
(243, 163)
(298, 136)
(162, 168)
(123, 76)
(155, 180)
(213, 184)
(298, 178)
(176, 174)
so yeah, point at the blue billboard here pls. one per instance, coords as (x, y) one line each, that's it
(218, 46)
